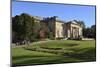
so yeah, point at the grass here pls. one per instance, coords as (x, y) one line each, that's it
(56, 51)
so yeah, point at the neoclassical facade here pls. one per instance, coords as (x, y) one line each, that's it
(62, 29)
(73, 30)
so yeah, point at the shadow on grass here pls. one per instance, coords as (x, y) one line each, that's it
(49, 49)
(24, 57)
(79, 55)
(35, 60)
(46, 60)
(86, 54)
(46, 50)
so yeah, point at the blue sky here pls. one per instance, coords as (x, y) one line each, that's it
(64, 12)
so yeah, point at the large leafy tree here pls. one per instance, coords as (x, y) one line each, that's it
(27, 25)
(93, 29)
(22, 27)
(90, 32)
(17, 28)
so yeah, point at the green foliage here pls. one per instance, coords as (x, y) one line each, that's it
(22, 26)
(26, 27)
(90, 32)
(93, 28)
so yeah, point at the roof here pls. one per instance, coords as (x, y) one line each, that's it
(59, 20)
(37, 17)
(73, 22)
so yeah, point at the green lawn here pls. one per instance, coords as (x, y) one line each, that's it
(57, 51)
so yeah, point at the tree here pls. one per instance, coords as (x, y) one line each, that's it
(22, 25)
(90, 32)
(17, 27)
(26, 26)
(93, 29)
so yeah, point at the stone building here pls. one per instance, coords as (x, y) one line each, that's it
(62, 29)
(73, 30)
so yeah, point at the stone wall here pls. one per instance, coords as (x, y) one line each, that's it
(59, 32)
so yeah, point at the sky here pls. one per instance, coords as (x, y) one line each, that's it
(65, 12)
